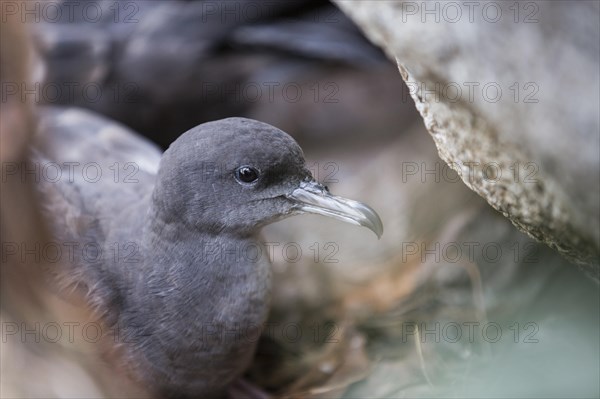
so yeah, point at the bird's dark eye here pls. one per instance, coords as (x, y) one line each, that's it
(246, 174)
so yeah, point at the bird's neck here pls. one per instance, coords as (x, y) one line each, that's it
(186, 263)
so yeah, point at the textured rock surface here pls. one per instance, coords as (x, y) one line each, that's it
(509, 93)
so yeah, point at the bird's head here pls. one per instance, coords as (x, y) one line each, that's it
(236, 175)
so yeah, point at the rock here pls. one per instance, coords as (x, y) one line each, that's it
(508, 91)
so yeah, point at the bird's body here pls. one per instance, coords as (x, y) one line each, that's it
(206, 313)
(167, 246)
(139, 267)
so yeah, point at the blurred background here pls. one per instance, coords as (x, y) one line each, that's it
(453, 301)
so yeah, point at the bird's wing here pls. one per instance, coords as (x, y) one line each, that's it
(90, 172)
(78, 135)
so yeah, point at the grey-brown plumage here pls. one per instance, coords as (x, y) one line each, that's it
(178, 269)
